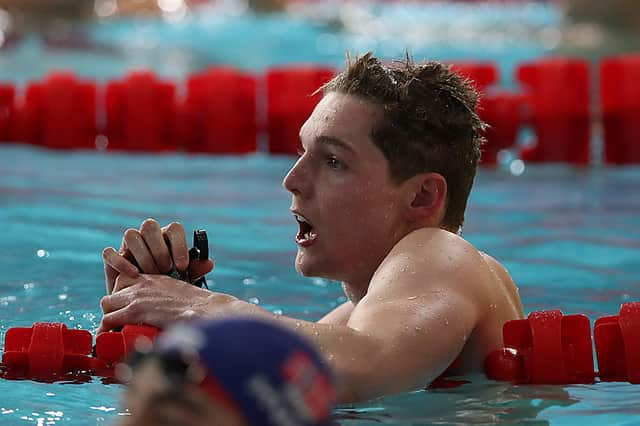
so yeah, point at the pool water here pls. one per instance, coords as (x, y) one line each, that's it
(570, 238)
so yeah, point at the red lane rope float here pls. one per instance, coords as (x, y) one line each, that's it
(290, 102)
(51, 351)
(501, 109)
(58, 112)
(219, 113)
(559, 102)
(617, 340)
(549, 348)
(141, 112)
(7, 112)
(620, 99)
(546, 348)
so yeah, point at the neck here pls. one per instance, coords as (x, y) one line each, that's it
(354, 292)
(356, 285)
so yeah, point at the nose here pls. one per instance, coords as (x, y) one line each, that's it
(294, 181)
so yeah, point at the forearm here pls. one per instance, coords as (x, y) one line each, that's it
(354, 356)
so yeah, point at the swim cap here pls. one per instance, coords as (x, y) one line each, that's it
(270, 374)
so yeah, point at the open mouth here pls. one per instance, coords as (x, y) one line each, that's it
(306, 234)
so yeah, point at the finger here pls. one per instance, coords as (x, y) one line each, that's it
(199, 268)
(152, 234)
(117, 318)
(174, 233)
(118, 262)
(110, 276)
(115, 302)
(136, 245)
(122, 282)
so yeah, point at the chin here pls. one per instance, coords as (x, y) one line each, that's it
(309, 267)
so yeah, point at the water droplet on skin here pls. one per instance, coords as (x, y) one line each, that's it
(298, 324)
(493, 306)
(418, 328)
(412, 298)
(446, 321)
(316, 333)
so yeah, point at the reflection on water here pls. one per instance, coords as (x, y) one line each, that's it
(479, 403)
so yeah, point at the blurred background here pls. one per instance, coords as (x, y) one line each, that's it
(106, 38)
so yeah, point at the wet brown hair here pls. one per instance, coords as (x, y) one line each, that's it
(429, 122)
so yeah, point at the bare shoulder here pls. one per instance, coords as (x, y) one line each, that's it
(429, 258)
(506, 281)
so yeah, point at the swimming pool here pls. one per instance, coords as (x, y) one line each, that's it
(570, 238)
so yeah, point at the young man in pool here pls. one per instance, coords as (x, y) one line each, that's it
(387, 162)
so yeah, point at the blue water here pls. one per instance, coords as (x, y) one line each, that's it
(571, 239)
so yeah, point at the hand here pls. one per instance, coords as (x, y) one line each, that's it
(158, 300)
(156, 250)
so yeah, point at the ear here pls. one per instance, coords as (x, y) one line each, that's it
(427, 197)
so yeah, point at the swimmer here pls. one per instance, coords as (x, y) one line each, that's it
(239, 372)
(387, 162)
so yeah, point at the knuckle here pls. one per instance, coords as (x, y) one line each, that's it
(107, 251)
(104, 301)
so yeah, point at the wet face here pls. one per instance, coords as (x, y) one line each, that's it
(349, 210)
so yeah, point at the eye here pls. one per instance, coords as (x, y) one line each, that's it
(334, 163)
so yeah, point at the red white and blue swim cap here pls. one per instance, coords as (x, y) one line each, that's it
(271, 375)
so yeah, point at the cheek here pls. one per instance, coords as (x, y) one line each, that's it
(361, 220)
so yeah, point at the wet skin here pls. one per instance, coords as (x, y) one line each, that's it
(419, 296)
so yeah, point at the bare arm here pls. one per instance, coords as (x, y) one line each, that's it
(408, 329)
(420, 308)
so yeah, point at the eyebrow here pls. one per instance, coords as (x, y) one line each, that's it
(329, 140)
